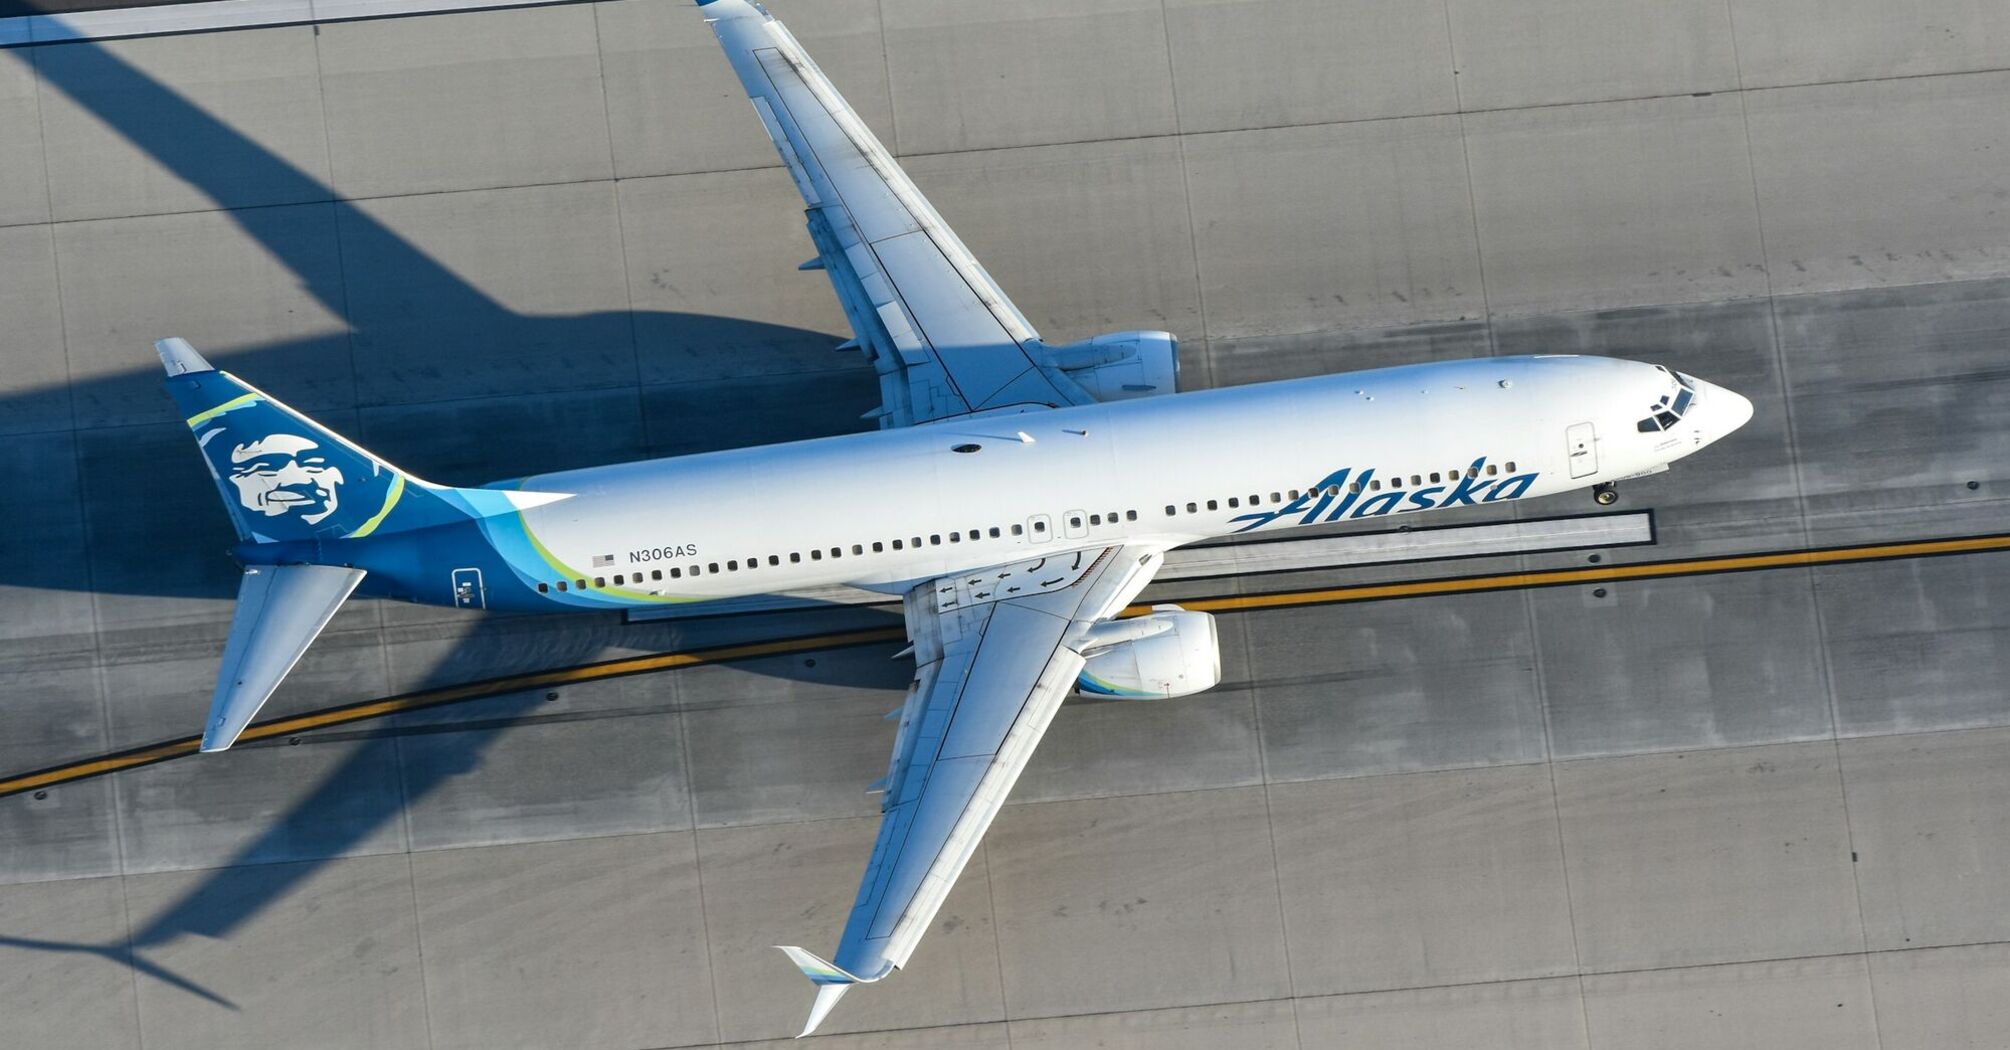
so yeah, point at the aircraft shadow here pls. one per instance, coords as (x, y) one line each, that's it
(505, 432)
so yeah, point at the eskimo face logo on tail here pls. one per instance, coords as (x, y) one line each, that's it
(1345, 494)
(282, 474)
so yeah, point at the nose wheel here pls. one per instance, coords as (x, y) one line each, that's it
(1605, 493)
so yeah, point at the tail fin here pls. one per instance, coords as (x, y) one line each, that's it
(284, 477)
(831, 983)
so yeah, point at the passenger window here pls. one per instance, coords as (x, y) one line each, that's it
(753, 563)
(956, 537)
(1510, 466)
(1277, 497)
(712, 566)
(859, 549)
(1075, 522)
(1375, 484)
(914, 542)
(896, 545)
(1332, 490)
(541, 588)
(1434, 477)
(1171, 510)
(816, 555)
(619, 579)
(1233, 503)
(600, 581)
(878, 547)
(795, 557)
(935, 539)
(1294, 493)
(1130, 515)
(1212, 505)
(1018, 530)
(561, 585)
(732, 566)
(675, 572)
(1354, 487)
(837, 552)
(656, 574)
(994, 532)
(1416, 479)
(1095, 519)
(1396, 482)
(1492, 469)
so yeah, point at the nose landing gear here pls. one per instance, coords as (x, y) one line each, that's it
(1605, 493)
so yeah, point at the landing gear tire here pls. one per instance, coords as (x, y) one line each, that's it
(1605, 494)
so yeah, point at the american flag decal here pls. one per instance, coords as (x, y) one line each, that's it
(600, 560)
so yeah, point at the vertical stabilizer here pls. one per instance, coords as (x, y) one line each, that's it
(295, 491)
(280, 610)
(284, 477)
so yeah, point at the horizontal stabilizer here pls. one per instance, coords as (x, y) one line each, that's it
(280, 610)
(831, 984)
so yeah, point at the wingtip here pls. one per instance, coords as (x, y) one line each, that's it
(831, 981)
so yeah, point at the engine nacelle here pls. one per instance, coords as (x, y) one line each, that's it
(1120, 366)
(1171, 652)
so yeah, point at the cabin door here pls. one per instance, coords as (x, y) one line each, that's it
(1583, 450)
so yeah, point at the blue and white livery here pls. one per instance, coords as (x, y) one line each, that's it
(1018, 497)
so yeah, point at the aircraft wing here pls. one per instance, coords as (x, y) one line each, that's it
(943, 337)
(995, 653)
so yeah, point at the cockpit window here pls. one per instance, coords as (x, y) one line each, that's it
(1663, 415)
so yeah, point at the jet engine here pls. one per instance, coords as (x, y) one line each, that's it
(1171, 652)
(1120, 366)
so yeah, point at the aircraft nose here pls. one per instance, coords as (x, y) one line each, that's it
(1729, 410)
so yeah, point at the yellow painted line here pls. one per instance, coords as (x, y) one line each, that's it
(348, 713)
(1595, 574)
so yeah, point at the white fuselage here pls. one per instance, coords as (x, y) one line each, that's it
(881, 510)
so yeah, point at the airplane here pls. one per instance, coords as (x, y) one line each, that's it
(1017, 496)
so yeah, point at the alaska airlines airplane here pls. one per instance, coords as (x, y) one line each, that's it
(1017, 496)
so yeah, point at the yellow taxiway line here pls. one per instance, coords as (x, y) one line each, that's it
(347, 713)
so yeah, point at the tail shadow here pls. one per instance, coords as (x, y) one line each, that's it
(256, 189)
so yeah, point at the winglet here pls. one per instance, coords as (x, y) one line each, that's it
(831, 984)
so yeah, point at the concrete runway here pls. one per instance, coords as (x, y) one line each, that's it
(1761, 809)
